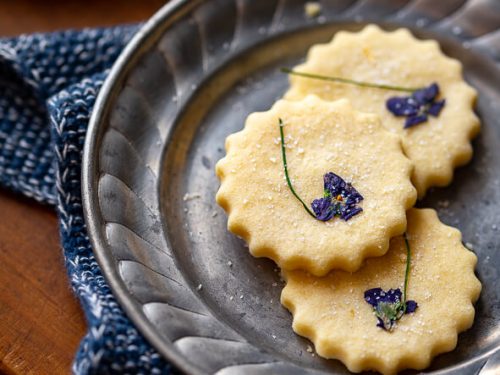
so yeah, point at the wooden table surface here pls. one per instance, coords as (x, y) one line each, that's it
(41, 322)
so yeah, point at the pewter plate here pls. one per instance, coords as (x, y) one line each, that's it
(186, 81)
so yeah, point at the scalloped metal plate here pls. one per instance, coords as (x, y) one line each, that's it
(186, 81)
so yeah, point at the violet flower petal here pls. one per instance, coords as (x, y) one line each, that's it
(436, 108)
(402, 106)
(427, 94)
(347, 213)
(352, 195)
(393, 296)
(411, 306)
(333, 183)
(323, 209)
(372, 296)
(415, 120)
(380, 323)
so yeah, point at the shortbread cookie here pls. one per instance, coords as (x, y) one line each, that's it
(332, 311)
(325, 142)
(435, 146)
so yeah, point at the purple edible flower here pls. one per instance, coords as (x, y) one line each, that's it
(388, 306)
(418, 106)
(411, 306)
(340, 199)
(323, 208)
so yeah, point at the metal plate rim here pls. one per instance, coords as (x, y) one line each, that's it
(89, 193)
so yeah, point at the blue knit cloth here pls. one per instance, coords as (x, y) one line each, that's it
(48, 86)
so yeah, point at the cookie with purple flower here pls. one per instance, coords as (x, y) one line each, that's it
(393, 313)
(315, 185)
(418, 92)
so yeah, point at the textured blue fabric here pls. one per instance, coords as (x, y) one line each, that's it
(48, 86)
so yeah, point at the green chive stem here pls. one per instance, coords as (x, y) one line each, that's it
(407, 272)
(348, 81)
(285, 167)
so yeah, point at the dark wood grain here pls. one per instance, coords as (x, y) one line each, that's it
(28, 16)
(41, 322)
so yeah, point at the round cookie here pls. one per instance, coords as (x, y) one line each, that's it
(321, 137)
(396, 58)
(332, 312)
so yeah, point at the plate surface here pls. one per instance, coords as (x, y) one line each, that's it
(188, 79)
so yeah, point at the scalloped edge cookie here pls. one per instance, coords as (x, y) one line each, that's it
(321, 137)
(331, 311)
(398, 58)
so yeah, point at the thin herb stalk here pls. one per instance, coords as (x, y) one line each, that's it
(407, 271)
(285, 167)
(349, 81)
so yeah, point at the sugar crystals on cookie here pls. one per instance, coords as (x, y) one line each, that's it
(378, 319)
(418, 92)
(343, 194)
